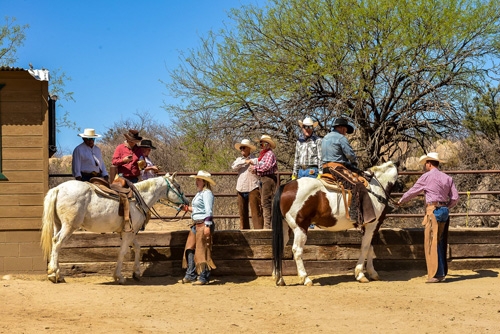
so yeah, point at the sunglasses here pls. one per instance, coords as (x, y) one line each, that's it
(242, 148)
(93, 139)
(262, 143)
(308, 127)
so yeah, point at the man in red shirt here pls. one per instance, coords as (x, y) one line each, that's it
(127, 156)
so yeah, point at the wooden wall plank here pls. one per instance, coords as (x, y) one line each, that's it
(20, 223)
(474, 250)
(22, 188)
(22, 141)
(29, 165)
(21, 200)
(17, 211)
(24, 176)
(22, 153)
(263, 268)
(22, 130)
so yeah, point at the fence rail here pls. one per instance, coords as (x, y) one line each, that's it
(392, 215)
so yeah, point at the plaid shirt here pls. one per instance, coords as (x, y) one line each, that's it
(308, 153)
(267, 165)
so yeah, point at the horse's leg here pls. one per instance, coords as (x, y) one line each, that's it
(127, 238)
(137, 269)
(366, 243)
(53, 270)
(370, 269)
(299, 240)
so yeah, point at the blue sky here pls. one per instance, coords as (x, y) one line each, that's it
(114, 51)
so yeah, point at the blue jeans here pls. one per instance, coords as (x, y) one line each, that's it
(442, 215)
(307, 172)
(191, 269)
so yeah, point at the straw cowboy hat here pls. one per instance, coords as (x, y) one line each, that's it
(204, 176)
(267, 139)
(89, 133)
(146, 143)
(247, 143)
(308, 122)
(430, 156)
(341, 121)
(133, 135)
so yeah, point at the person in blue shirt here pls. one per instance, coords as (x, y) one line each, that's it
(341, 162)
(197, 258)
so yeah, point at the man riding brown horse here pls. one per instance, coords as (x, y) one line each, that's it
(340, 161)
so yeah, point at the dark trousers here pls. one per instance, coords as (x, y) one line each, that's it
(251, 199)
(267, 190)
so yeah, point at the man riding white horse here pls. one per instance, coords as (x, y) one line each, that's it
(340, 161)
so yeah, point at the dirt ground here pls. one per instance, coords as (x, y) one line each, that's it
(468, 301)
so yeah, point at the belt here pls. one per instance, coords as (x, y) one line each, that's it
(91, 174)
(308, 166)
(438, 204)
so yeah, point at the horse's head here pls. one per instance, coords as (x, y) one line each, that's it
(174, 192)
(386, 174)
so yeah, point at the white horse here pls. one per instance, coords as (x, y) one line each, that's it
(75, 204)
(306, 201)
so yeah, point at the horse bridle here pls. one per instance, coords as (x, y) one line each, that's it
(179, 194)
(380, 198)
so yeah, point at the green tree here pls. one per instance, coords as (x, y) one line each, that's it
(12, 36)
(483, 117)
(396, 68)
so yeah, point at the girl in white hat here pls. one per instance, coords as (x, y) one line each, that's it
(197, 258)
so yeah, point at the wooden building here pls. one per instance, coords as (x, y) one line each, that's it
(26, 133)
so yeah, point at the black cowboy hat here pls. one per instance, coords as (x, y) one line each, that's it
(341, 121)
(147, 144)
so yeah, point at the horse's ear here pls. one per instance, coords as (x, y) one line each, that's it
(173, 175)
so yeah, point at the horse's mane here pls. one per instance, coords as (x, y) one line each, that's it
(146, 185)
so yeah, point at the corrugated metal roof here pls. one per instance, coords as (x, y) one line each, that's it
(8, 68)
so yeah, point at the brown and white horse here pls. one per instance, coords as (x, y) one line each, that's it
(306, 201)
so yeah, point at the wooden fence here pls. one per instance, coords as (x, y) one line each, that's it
(248, 252)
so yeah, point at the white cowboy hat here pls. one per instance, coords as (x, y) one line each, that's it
(309, 122)
(267, 139)
(204, 176)
(89, 133)
(430, 156)
(247, 143)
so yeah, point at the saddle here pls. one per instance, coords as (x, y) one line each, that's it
(120, 190)
(332, 182)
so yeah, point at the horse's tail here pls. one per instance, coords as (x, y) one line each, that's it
(48, 221)
(277, 225)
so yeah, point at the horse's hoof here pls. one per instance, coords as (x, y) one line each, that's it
(136, 277)
(363, 280)
(281, 282)
(309, 283)
(375, 277)
(52, 278)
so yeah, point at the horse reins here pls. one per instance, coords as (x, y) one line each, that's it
(178, 208)
(380, 198)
